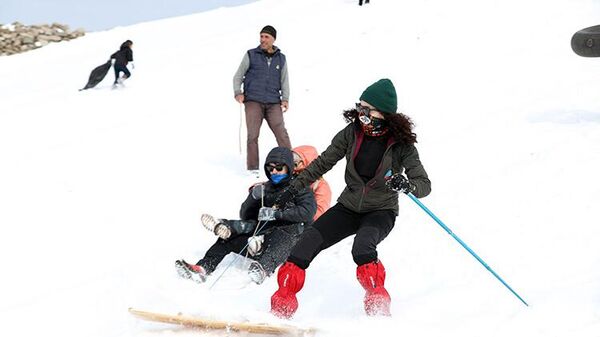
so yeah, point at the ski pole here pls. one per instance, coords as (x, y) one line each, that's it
(240, 132)
(463, 244)
(258, 228)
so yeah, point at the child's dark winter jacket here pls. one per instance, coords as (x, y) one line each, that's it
(280, 234)
(300, 209)
(123, 55)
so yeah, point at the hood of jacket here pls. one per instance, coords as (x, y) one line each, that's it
(306, 153)
(281, 155)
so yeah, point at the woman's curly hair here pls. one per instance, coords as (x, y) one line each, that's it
(400, 125)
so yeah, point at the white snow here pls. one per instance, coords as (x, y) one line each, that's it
(101, 190)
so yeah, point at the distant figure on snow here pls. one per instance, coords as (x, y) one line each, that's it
(123, 56)
(360, 2)
(266, 93)
(266, 233)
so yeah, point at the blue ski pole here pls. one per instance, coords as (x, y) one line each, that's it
(463, 244)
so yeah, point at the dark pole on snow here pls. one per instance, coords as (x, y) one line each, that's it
(463, 244)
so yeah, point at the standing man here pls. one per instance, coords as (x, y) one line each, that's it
(266, 92)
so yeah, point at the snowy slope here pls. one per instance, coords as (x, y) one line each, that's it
(100, 191)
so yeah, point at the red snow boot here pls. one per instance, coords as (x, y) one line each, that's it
(372, 277)
(291, 280)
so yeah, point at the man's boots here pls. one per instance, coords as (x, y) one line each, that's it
(372, 277)
(291, 280)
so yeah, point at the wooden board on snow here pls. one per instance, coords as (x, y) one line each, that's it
(198, 322)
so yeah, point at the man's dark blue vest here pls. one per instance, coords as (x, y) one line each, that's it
(262, 82)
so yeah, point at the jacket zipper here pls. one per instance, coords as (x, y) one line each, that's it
(362, 197)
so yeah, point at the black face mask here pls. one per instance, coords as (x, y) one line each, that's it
(373, 126)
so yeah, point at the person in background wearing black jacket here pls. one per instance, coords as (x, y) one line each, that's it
(269, 233)
(123, 56)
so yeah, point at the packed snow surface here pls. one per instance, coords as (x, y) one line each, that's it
(102, 190)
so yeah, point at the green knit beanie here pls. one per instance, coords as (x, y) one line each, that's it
(381, 95)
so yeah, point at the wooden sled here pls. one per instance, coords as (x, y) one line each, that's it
(204, 323)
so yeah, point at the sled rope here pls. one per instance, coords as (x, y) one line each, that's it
(258, 228)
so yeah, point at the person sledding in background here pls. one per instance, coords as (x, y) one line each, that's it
(271, 245)
(122, 57)
(378, 145)
(303, 156)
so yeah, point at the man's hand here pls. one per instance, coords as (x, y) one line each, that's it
(284, 106)
(239, 98)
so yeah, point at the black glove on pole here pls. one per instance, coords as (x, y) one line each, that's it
(397, 182)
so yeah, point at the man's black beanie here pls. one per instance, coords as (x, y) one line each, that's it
(269, 30)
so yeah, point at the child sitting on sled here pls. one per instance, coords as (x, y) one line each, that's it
(266, 231)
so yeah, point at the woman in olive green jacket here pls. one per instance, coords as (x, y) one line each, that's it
(378, 145)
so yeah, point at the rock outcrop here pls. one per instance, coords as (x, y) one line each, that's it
(17, 38)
